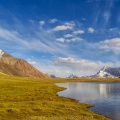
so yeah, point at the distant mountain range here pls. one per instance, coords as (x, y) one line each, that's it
(72, 76)
(18, 67)
(105, 72)
(108, 72)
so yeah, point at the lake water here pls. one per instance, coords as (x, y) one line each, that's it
(104, 96)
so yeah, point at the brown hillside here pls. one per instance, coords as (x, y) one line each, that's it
(18, 67)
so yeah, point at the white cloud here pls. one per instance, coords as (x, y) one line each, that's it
(29, 59)
(63, 27)
(41, 22)
(6, 34)
(112, 29)
(68, 35)
(91, 30)
(53, 20)
(111, 45)
(106, 16)
(42, 43)
(71, 23)
(50, 47)
(74, 39)
(32, 62)
(53, 69)
(107, 12)
(81, 67)
(60, 39)
(78, 32)
(63, 67)
(66, 26)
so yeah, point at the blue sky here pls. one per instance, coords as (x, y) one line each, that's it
(62, 37)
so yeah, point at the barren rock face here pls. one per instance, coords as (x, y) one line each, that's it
(18, 67)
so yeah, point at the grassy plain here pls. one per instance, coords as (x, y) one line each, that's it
(36, 99)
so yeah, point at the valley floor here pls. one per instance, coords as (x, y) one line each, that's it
(37, 99)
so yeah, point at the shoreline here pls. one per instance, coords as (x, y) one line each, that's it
(88, 107)
(33, 98)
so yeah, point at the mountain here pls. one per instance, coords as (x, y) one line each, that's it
(18, 67)
(53, 76)
(108, 72)
(72, 76)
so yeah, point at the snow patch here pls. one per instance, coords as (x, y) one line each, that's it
(103, 74)
(107, 72)
(1, 53)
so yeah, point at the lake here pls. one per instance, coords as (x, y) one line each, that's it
(104, 96)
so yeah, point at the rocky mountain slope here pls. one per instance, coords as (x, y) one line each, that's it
(18, 67)
(108, 72)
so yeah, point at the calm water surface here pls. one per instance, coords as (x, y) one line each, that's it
(104, 96)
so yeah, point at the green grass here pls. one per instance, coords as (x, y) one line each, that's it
(37, 99)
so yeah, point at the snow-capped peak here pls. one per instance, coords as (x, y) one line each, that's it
(72, 76)
(108, 72)
(105, 68)
(105, 72)
(1, 53)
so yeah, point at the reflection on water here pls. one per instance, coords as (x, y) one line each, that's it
(104, 96)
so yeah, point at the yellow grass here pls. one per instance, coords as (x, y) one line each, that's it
(36, 99)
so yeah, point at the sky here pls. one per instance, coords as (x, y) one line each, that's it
(62, 37)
